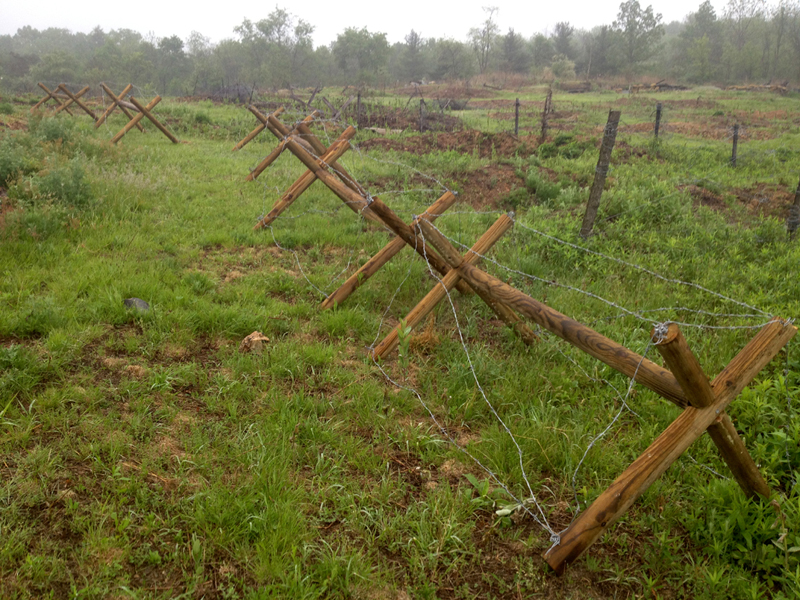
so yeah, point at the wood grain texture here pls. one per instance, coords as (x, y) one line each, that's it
(70, 100)
(50, 95)
(447, 283)
(454, 259)
(683, 364)
(135, 120)
(337, 149)
(615, 355)
(689, 426)
(154, 121)
(389, 251)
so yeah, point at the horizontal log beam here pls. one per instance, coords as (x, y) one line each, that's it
(135, 120)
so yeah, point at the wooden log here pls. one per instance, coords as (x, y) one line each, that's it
(50, 96)
(308, 142)
(689, 426)
(683, 364)
(600, 171)
(259, 128)
(117, 101)
(337, 149)
(135, 120)
(455, 260)
(70, 101)
(613, 354)
(76, 98)
(443, 287)
(369, 268)
(156, 122)
(273, 156)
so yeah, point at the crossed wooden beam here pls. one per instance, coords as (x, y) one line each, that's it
(117, 100)
(64, 98)
(703, 403)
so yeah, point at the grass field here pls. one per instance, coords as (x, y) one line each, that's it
(142, 455)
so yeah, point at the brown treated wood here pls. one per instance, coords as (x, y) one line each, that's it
(273, 156)
(70, 100)
(690, 425)
(337, 149)
(117, 101)
(50, 95)
(146, 111)
(447, 283)
(76, 99)
(454, 259)
(259, 128)
(615, 355)
(683, 364)
(135, 120)
(389, 251)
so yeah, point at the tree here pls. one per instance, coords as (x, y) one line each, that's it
(639, 30)
(515, 55)
(483, 38)
(412, 64)
(562, 39)
(172, 64)
(542, 51)
(361, 55)
(701, 43)
(453, 60)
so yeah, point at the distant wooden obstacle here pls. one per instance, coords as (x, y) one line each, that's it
(259, 128)
(117, 101)
(685, 384)
(63, 98)
(144, 111)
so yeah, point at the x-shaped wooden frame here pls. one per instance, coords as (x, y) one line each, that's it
(62, 99)
(449, 281)
(262, 125)
(685, 384)
(343, 185)
(76, 98)
(117, 101)
(144, 111)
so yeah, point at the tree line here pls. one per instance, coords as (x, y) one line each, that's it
(750, 41)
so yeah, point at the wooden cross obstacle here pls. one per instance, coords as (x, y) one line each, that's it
(63, 98)
(262, 125)
(117, 101)
(683, 383)
(144, 111)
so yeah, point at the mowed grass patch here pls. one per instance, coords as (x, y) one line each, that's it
(143, 453)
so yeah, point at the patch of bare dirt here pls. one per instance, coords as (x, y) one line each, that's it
(485, 145)
(487, 187)
(761, 200)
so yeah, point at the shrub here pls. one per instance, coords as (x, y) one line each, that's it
(67, 184)
(543, 189)
(6, 108)
(15, 161)
(51, 129)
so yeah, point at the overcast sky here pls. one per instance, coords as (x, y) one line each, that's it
(430, 19)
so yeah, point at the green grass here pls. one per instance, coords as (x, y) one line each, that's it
(144, 456)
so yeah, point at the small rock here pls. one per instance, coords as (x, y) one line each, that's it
(253, 343)
(136, 303)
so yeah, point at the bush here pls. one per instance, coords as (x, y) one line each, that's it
(6, 108)
(52, 129)
(543, 189)
(15, 161)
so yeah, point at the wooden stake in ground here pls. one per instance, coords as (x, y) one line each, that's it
(609, 137)
(548, 102)
(688, 427)
(115, 102)
(369, 268)
(735, 144)
(516, 117)
(793, 222)
(658, 119)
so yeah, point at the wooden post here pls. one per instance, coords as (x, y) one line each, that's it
(76, 99)
(658, 119)
(358, 110)
(793, 222)
(369, 268)
(516, 117)
(50, 95)
(146, 111)
(135, 120)
(421, 116)
(609, 137)
(688, 427)
(337, 149)
(545, 112)
(735, 144)
(273, 156)
(71, 100)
